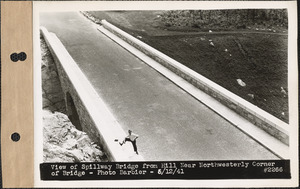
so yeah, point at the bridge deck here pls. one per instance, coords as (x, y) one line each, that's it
(171, 124)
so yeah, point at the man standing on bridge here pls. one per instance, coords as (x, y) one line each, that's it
(132, 138)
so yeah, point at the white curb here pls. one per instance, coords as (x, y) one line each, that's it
(107, 125)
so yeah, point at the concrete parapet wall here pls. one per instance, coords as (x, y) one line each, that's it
(95, 118)
(255, 115)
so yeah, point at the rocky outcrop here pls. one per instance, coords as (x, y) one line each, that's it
(64, 143)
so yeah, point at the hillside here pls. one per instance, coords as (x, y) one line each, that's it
(255, 54)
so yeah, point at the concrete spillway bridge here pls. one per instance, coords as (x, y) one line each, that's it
(109, 88)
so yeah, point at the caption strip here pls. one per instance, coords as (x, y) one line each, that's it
(279, 169)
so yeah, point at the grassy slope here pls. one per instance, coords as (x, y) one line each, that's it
(259, 59)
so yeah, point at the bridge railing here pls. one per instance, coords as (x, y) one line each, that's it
(95, 118)
(254, 114)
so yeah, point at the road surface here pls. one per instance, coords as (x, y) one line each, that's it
(171, 124)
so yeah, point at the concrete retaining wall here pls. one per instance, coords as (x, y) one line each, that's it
(257, 116)
(94, 116)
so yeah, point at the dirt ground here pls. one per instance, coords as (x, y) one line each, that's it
(251, 63)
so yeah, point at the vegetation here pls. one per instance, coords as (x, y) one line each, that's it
(226, 19)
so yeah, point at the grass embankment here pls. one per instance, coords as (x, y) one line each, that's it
(257, 56)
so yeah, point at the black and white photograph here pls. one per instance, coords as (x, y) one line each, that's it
(166, 91)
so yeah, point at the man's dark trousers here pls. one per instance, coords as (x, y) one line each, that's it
(133, 144)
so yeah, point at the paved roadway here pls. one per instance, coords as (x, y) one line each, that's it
(172, 125)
